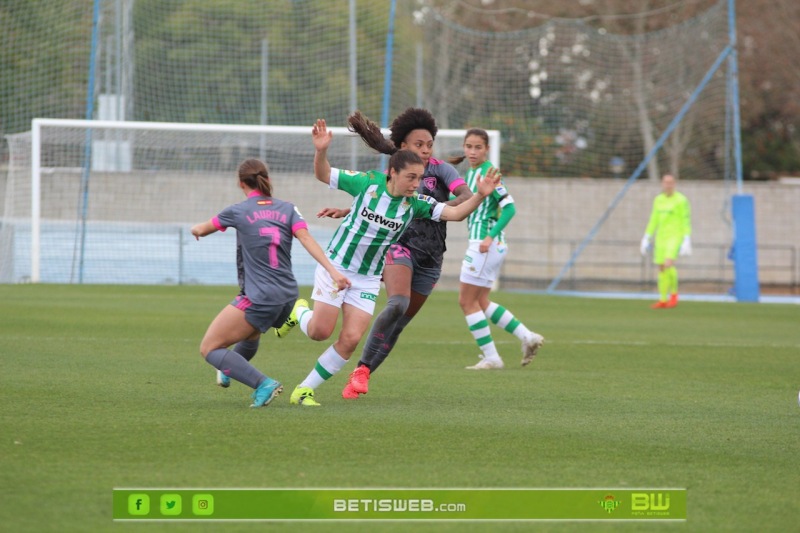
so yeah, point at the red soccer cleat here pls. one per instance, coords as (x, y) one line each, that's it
(359, 379)
(348, 393)
(673, 300)
(660, 305)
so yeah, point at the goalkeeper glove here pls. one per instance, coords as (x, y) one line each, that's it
(645, 244)
(686, 246)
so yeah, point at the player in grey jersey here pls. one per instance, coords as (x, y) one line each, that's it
(414, 263)
(265, 227)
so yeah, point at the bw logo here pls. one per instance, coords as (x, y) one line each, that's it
(653, 501)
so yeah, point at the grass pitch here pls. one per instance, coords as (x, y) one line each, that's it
(103, 387)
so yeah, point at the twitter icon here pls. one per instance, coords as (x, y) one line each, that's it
(170, 504)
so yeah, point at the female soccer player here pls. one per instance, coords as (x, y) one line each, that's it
(483, 260)
(671, 223)
(382, 208)
(264, 230)
(414, 263)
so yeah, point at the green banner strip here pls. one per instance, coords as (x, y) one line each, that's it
(400, 504)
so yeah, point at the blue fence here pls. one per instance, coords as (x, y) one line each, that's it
(144, 254)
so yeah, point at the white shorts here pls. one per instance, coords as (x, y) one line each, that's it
(362, 293)
(481, 269)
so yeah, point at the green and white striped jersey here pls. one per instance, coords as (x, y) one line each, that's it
(375, 222)
(481, 221)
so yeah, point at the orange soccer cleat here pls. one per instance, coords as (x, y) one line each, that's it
(660, 305)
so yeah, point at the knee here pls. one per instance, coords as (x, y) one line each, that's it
(205, 348)
(466, 303)
(320, 332)
(397, 306)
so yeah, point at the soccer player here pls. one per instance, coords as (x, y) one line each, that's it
(264, 229)
(671, 224)
(414, 263)
(485, 255)
(383, 206)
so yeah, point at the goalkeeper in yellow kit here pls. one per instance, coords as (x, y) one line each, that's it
(670, 222)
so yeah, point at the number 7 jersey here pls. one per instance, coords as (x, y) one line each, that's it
(265, 228)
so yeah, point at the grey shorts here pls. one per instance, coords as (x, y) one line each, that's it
(423, 279)
(263, 316)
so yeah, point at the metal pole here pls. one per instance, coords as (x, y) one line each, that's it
(733, 67)
(387, 73)
(420, 71)
(87, 150)
(36, 200)
(353, 80)
(262, 145)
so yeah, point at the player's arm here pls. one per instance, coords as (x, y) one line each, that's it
(507, 212)
(314, 249)
(333, 212)
(647, 239)
(204, 228)
(322, 140)
(486, 186)
(462, 194)
(686, 219)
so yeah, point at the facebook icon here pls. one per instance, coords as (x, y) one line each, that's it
(138, 504)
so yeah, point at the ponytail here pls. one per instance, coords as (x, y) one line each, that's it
(255, 174)
(455, 160)
(370, 133)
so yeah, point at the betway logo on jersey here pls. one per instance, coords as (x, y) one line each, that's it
(387, 223)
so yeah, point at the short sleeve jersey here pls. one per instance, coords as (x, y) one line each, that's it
(481, 221)
(424, 237)
(375, 222)
(671, 217)
(265, 228)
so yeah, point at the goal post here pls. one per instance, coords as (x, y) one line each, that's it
(157, 177)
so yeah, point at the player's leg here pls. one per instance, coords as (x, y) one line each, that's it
(475, 286)
(672, 282)
(469, 299)
(530, 340)
(357, 310)
(502, 317)
(247, 348)
(397, 279)
(317, 323)
(423, 280)
(230, 326)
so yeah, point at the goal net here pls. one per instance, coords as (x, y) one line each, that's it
(580, 91)
(112, 202)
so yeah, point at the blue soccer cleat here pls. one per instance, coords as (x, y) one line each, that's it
(266, 392)
(223, 380)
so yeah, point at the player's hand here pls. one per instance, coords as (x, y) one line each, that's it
(645, 244)
(340, 280)
(321, 135)
(486, 184)
(485, 244)
(197, 232)
(333, 212)
(686, 246)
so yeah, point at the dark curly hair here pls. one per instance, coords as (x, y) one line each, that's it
(413, 118)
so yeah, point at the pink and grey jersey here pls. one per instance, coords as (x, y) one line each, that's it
(265, 228)
(424, 237)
